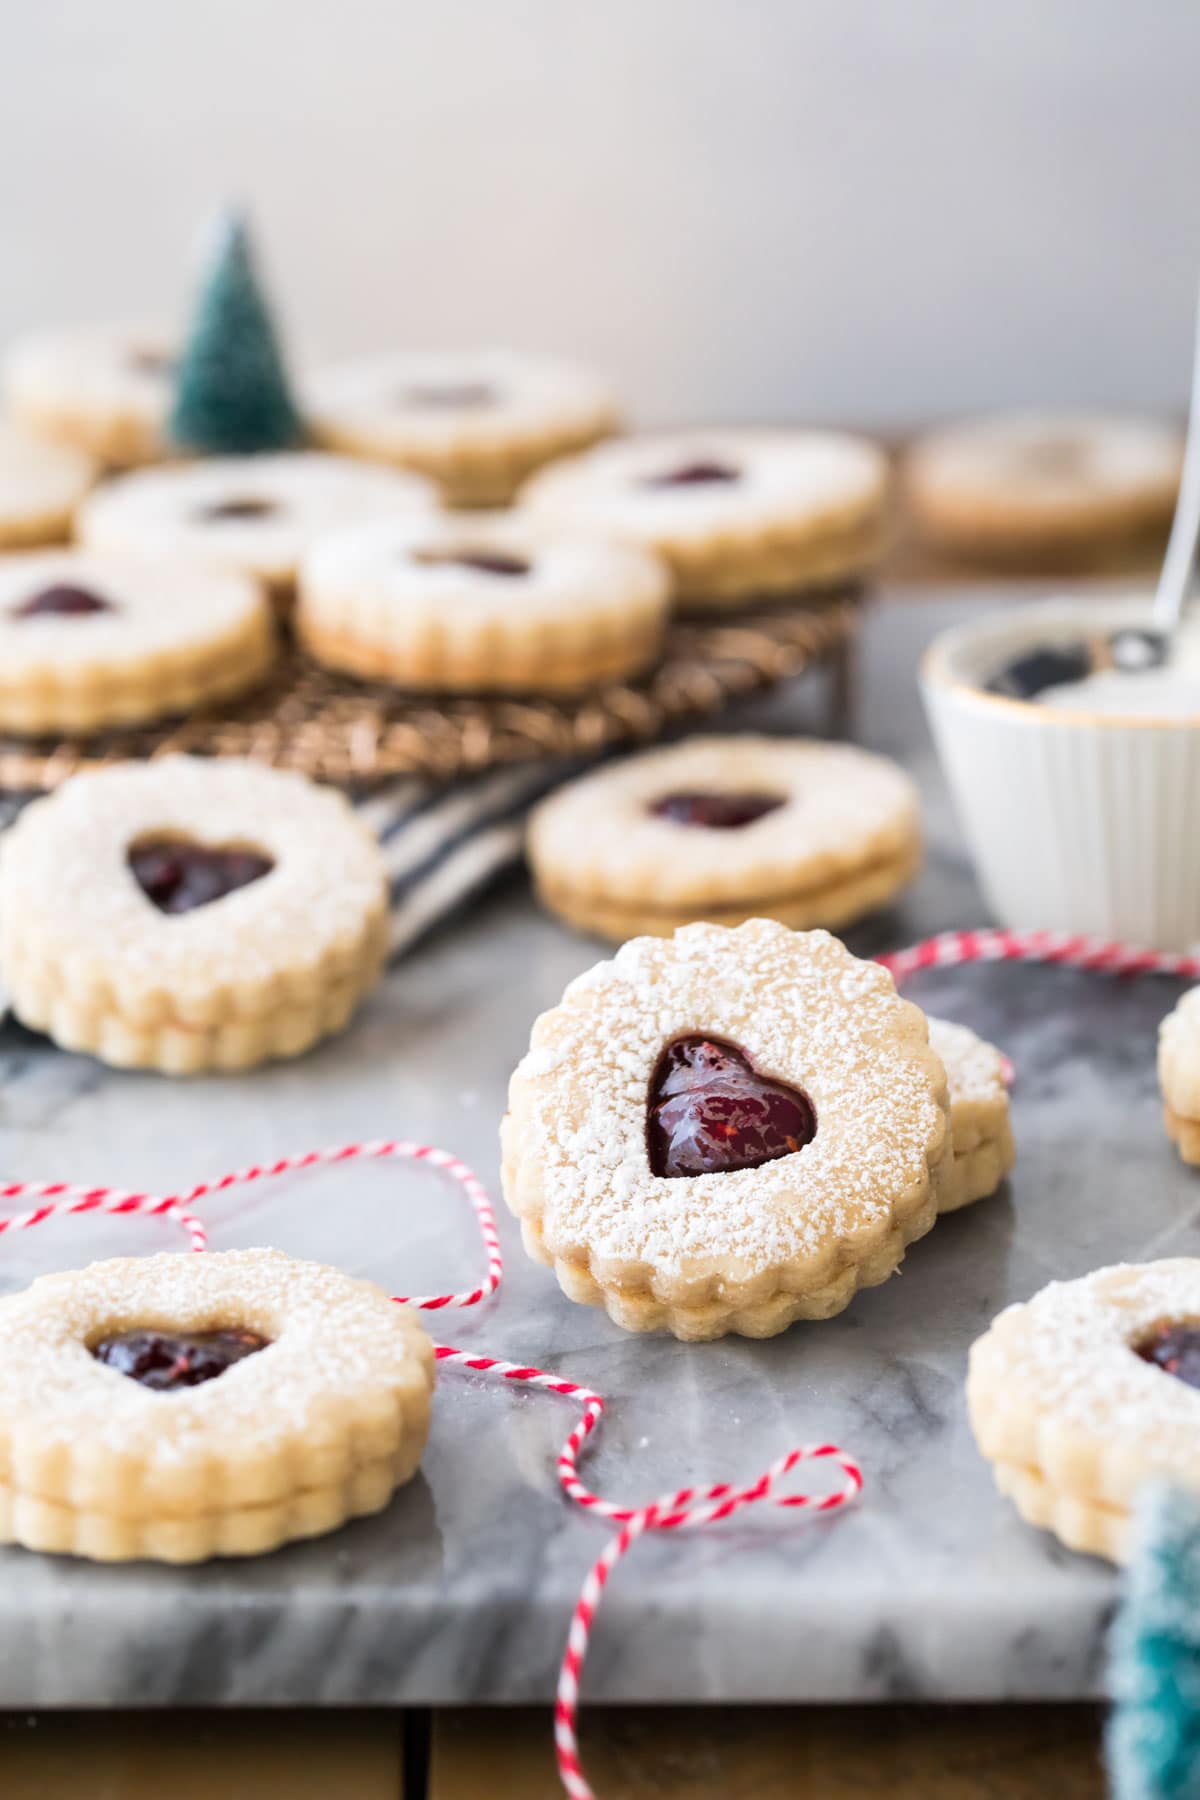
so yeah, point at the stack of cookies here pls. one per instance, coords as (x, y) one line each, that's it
(453, 523)
(728, 1130)
(568, 586)
(448, 521)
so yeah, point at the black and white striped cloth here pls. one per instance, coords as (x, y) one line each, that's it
(443, 843)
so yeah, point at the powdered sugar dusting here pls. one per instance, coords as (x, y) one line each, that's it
(974, 1068)
(839, 811)
(69, 900)
(798, 479)
(1068, 1354)
(334, 1342)
(806, 1012)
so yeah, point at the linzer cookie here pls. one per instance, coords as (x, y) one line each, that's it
(979, 1114)
(477, 422)
(89, 641)
(187, 915)
(105, 390)
(1179, 1075)
(726, 1131)
(41, 484)
(727, 829)
(254, 514)
(739, 515)
(1088, 1391)
(182, 1407)
(486, 602)
(1026, 485)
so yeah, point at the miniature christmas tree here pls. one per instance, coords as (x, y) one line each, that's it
(231, 392)
(1154, 1733)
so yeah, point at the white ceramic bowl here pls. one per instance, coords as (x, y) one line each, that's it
(1078, 821)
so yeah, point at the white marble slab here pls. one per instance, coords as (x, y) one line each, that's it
(462, 1589)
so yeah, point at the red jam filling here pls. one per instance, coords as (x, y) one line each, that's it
(231, 511)
(166, 1360)
(63, 600)
(704, 472)
(488, 562)
(715, 812)
(709, 1109)
(1176, 1350)
(450, 394)
(179, 877)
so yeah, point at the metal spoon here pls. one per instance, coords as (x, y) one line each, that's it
(1147, 649)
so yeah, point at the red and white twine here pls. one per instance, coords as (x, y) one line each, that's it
(686, 1508)
(683, 1509)
(1097, 955)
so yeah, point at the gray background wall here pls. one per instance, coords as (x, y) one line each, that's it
(847, 209)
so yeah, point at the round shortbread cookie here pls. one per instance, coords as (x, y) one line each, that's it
(179, 1407)
(980, 1121)
(41, 484)
(726, 829)
(1077, 1399)
(89, 641)
(255, 514)
(726, 1131)
(478, 422)
(739, 515)
(189, 915)
(485, 602)
(105, 390)
(1039, 483)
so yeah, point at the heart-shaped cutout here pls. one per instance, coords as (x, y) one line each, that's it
(704, 472)
(166, 1360)
(1176, 1350)
(486, 562)
(65, 600)
(715, 812)
(709, 1110)
(178, 876)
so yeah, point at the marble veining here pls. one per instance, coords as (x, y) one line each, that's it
(462, 1589)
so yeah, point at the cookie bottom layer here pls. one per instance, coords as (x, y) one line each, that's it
(737, 576)
(469, 477)
(155, 688)
(524, 663)
(176, 1049)
(833, 905)
(978, 1168)
(753, 1316)
(48, 1525)
(36, 528)
(1086, 1525)
(1184, 1133)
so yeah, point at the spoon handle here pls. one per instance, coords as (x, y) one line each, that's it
(1185, 526)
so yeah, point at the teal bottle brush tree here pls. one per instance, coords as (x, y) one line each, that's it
(232, 395)
(1154, 1733)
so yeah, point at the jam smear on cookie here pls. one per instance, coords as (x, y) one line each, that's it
(450, 394)
(64, 600)
(715, 812)
(179, 877)
(166, 1360)
(710, 1110)
(232, 511)
(488, 562)
(704, 472)
(1174, 1349)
